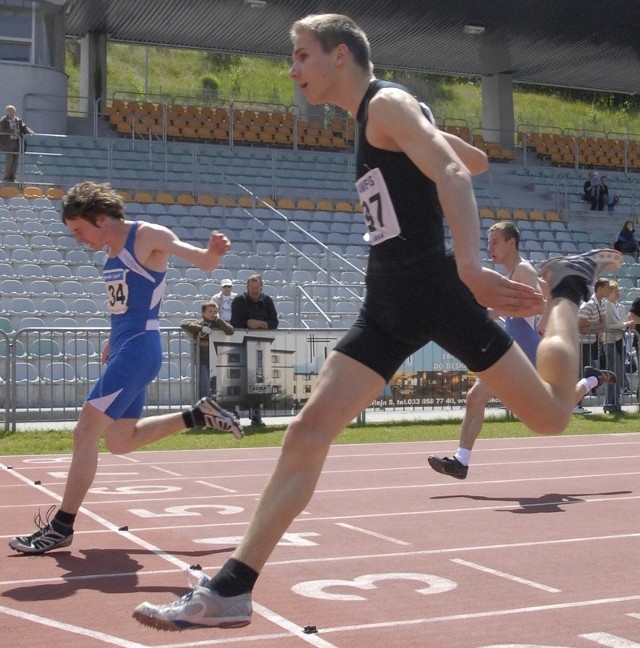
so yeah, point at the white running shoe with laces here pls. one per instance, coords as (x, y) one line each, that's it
(209, 415)
(44, 539)
(588, 266)
(201, 607)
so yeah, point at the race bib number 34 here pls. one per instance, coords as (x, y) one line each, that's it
(117, 290)
(379, 214)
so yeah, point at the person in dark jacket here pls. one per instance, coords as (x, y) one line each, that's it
(253, 309)
(12, 129)
(627, 243)
(199, 331)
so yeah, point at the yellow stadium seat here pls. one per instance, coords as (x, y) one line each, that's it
(9, 192)
(185, 199)
(305, 203)
(325, 205)
(206, 200)
(55, 193)
(143, 197)
(345, 206)
(246, 202)
(227, 201)
(286, 203)
(164, 198)
(32, 192)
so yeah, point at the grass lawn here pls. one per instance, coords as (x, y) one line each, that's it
(60, 441)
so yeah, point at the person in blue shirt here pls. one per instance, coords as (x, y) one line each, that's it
(134, 275)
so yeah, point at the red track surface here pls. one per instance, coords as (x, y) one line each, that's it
(538, 547)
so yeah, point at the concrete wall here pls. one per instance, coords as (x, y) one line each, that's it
(38, 93)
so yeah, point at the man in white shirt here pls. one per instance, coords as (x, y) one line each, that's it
(591, 324)
(224, 299)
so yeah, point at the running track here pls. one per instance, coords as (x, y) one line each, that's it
(538, 547)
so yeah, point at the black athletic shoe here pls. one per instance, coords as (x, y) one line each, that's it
(602, 375)
(448, 466)
(209, 415)
(43, 540)
(612, 409)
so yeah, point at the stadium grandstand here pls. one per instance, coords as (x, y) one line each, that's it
(278, 179)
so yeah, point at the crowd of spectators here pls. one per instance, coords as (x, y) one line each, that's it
(227, 311)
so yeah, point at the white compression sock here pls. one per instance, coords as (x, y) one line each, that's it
(588, 383)
(463, 456)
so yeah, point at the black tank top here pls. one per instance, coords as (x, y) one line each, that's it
(414, 196)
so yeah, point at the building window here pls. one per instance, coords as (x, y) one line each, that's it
(32, 32)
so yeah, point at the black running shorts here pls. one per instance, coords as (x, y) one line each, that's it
(417, 301)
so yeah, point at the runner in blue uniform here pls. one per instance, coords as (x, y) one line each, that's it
(409, 176)
(134, 273)
(504, 249)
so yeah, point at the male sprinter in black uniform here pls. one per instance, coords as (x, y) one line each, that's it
(409, 175)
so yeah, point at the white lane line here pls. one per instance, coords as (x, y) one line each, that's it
(606, 639)
(216, 487)
(127, 457)
(511, 577)
(483, 615)
(228, 640)
(85, 632)
(166, 472)
(511, 506)
(450, 550)
(275, 618)
(372, 533)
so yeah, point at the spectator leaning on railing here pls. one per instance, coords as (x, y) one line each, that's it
(12, 130)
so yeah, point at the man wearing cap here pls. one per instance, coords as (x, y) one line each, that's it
(224, 299)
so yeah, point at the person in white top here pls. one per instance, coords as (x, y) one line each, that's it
(616, 323)
(224, 299)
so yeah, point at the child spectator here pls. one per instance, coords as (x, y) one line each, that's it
(199, 331)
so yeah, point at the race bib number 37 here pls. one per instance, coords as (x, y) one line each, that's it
(379, 214)
(117, 290)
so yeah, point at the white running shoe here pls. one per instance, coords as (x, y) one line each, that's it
(209, 415)
(196, 577)
(44, 539)
(201, 607)
(588, 266)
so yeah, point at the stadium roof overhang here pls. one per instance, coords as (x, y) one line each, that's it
(590, 44)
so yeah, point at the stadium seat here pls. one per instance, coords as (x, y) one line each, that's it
(22, 306)
(84, 306)
(25, 372)
(44, 348)
(80, 347)
(57, 372)
(90, 371)
(11, 287)
(5, 325)
(54, 306)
